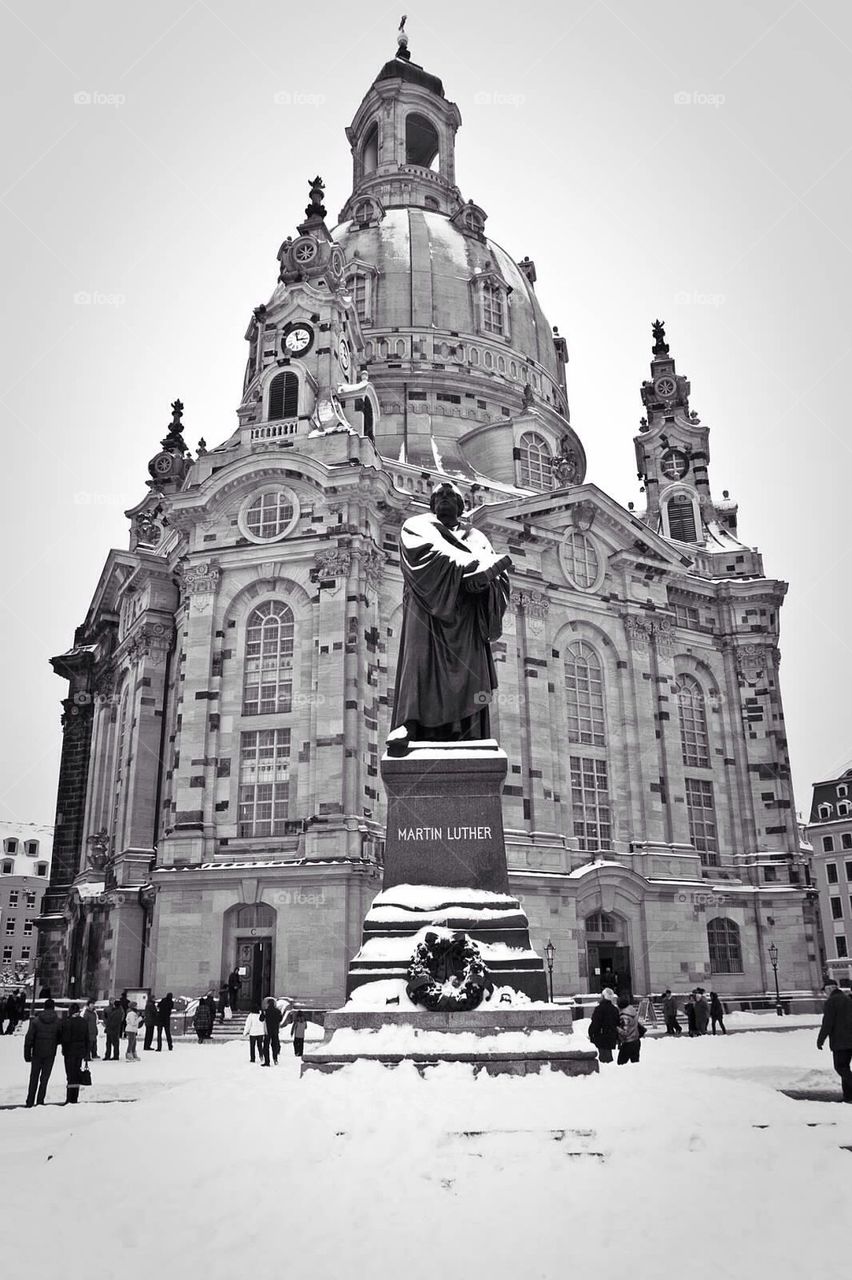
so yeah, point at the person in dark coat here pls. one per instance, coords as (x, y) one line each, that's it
(702, 1013)
(300, 1024)
(272, 1018)
(124, 1001)
(673, 1027)
(603, 1026)
(40, 1051)
(113, 1022)
(689, 1010)
(837, 1029)
(90, 1018)
(164, 1020)
(717, 1014)
(234, 984)
(149, 1017)
(74, 1038)
(14, 1011)
(203, 1020)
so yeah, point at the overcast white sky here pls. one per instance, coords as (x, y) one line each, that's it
(165, 196)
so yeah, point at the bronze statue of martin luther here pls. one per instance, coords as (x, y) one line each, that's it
(454, 596)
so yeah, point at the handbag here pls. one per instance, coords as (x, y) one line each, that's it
(85, 1075)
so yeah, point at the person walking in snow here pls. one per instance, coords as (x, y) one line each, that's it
(689, 1010)
(673, 1027)
(131, 1030)
(702, 1013)
(149, 1017)
(603, 1025)
(113, 1022)
(74, 1038)
(272, 1019)
(203, 1020)
(90, 1017)
(234, 984)
(255, 1029)
(630, 1032)
(837, 1029)
(717, 1014)
(300, 1024)
(164, 1020)
(40, 1045)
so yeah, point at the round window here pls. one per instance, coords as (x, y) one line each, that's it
(580, 560)
(270, 515)
(675, 464)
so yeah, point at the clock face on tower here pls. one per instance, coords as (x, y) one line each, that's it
(345, 358)
(298, 339)
(665, 387)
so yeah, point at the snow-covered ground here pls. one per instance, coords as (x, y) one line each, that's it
(205, 1166)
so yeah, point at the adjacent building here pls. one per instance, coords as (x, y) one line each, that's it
(24, 877)
(830, 834)
(229, 687)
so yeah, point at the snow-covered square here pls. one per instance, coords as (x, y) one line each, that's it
(198, 1164)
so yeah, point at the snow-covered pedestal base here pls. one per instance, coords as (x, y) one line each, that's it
(496, 922)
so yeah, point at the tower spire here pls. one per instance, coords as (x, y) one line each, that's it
(402, 40)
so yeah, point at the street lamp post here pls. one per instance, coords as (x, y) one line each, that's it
(550, 952)
(773, 960)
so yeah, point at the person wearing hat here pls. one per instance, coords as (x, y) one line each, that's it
(40, 1051)
(74, 1039)
(603, 1025)
(837, 1029)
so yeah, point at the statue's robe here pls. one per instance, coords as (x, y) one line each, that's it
(445, 671)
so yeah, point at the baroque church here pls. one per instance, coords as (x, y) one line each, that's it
(230, 688)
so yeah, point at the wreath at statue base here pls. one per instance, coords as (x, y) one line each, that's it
(447, 972)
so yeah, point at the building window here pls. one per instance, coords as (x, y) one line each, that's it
(600, 922)
(493, 308)
(7, 954)
(693, 723)
(31, 848)
(579, 559)
(10, 845)
(842, 789)
(846, 840)
(421, 142)
(268, 672)
(25, 953)
(836, 909)
(28, 928)
(8, 868)
(843, 808)
(10, 924)
(534, 462)
(584, 689)
(686, 615)
(41, 869)
(358, 285)
(592, 816)
(824, 812)
(770, 875)
(840, 947)
(270, 516)
(849, 872)
(283, 397)
(702, 820)
(31, 898)
(264, 782)
(13, 899)
(680, 510)
(723, 940)
(831, 872)
(828, 844)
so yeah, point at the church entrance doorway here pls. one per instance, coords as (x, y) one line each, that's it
(608, 955)
(254, 965)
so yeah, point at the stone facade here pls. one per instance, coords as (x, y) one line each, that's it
(220, 800)
(830, 834)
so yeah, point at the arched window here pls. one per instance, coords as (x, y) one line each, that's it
(358, 285)
(534, 461)
(252, 915)
(824, 812)
(370, 150)
(579, 559)
(493, 308)
(693, 723)
(584, 689)
(421, 142)
(283, 397)
(268, 669)
(680, 510)
(723, 940)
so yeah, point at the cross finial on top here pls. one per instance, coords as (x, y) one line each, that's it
(402, 40)
(661, 347)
